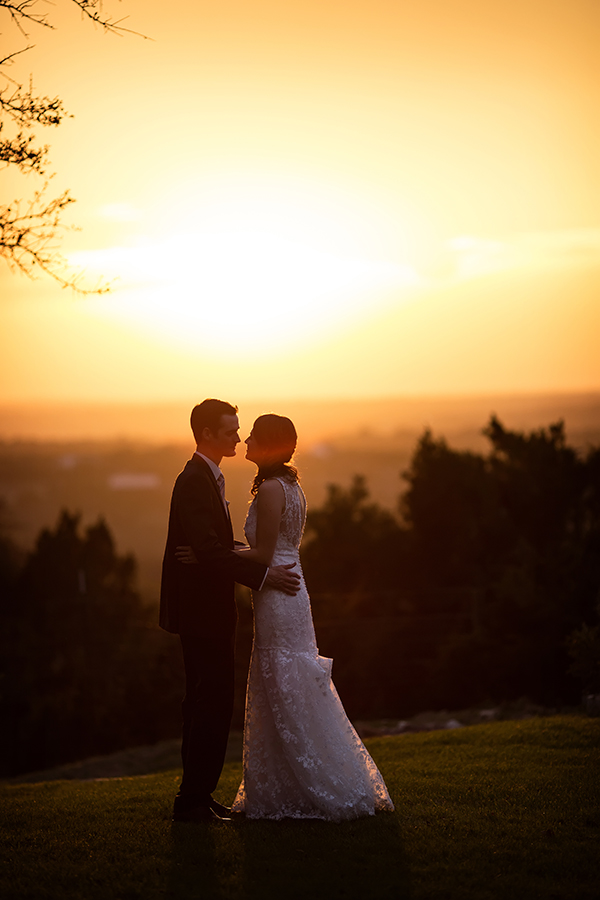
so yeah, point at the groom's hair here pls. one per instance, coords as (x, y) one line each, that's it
(208, 415)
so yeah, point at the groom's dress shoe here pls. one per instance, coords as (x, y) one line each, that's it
(199, 814)
(222, 811)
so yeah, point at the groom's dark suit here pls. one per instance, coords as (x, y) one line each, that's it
(198, 603)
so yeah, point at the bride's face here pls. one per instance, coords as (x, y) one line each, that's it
(257, 454)
(253, 451)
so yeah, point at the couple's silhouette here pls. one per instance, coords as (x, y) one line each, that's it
(302, 757)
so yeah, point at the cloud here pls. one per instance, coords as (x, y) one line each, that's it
(467, 256)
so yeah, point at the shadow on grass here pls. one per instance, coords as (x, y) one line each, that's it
(194, 862)
(291, 859)
(315, 859)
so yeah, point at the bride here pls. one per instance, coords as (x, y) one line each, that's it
(302, 757)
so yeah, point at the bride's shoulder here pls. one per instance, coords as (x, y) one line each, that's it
(270, 487)
(271, 495)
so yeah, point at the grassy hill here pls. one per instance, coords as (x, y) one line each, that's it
(505, 810)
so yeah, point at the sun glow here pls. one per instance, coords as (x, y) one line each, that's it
(256, 288)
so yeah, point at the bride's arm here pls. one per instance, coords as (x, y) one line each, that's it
(270, 504)
(269, 509)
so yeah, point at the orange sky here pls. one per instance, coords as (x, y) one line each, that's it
(319, 199)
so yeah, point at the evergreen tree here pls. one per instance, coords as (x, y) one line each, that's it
(85, 669)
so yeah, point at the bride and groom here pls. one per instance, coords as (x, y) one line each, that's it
(302, 757)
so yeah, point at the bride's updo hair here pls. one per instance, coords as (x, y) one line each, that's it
(277, 439)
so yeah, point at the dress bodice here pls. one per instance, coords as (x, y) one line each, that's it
(282, 620)
(292, 523)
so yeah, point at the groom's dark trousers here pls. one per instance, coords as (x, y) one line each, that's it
(207, 709)
(198, 603)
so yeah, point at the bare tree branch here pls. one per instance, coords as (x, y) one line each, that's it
(20, 12)
(30, 238)
(24, 11)
(30, 231)
(8, 60)
(20, 152)
(93, 10)
(27, 110)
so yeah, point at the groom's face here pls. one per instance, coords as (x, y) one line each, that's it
(226, 438)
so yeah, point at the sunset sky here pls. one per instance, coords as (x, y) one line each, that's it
(316, 198)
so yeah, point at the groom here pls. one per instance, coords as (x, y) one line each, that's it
(197, 602)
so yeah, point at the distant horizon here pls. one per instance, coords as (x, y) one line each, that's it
(316, 418)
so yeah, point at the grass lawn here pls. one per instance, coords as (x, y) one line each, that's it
(505, 810)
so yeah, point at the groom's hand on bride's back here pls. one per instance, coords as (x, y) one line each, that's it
(282, 579)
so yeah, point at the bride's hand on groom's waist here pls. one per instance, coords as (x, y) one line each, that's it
(186, 555)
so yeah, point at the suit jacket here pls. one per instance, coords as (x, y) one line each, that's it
(200, 599)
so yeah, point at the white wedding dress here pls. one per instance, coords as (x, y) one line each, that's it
(302, 757)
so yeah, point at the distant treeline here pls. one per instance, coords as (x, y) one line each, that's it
(483, 587)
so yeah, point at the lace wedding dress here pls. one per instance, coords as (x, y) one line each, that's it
(302, 757)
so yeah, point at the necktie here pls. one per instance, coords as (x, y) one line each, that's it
(221, 483)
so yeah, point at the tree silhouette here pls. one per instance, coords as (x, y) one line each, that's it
(501, 550)
(457, 525)
(85, 669)
(351, 544)
(30, 229)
